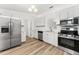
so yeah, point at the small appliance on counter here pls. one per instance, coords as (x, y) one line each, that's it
(68, 37)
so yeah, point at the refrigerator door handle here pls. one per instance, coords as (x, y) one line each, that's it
(9, 27)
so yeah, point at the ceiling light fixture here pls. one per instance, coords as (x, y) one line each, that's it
(33, 6)
(29, 9)
(35, 10)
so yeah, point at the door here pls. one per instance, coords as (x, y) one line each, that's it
(4, 33)
(15, 32)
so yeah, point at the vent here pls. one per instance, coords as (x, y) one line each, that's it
(51, 7)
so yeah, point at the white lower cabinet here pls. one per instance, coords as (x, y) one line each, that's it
(51, 38)
(23, 31)
(23, 36)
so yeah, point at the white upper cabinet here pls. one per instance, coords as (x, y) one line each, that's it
(63, 14)
(71, 12)
(76, 10)
(39, 22)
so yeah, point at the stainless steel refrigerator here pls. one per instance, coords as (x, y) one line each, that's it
(10, 33)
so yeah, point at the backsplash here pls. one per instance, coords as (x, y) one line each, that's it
(52, 25)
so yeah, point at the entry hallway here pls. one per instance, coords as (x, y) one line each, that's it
(33, 47)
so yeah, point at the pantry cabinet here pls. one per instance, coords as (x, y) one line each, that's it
(51, 38)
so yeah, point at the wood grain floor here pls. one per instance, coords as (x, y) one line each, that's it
(33, 47)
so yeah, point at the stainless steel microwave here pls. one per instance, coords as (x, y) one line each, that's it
(74, 20)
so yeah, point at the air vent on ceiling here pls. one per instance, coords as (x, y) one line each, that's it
(51, 7)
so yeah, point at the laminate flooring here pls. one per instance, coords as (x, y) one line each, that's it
(33, 47)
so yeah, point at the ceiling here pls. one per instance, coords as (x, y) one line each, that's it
(24, 7)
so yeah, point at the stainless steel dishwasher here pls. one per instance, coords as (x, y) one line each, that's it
(40, 35)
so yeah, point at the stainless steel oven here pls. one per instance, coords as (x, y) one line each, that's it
(69, 43)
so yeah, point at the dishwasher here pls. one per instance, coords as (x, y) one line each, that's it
(40, 35)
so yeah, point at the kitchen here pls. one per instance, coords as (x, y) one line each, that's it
(45, 29)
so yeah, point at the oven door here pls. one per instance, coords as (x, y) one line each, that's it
(67, 43)
(76, 48)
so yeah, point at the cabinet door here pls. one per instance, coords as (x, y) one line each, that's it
(39, 22)
(52, 38)
(76, 10)
(23, 36)
(45, 37)
(63, 14)
(71, 12)
(55, 38)
(36, 34)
